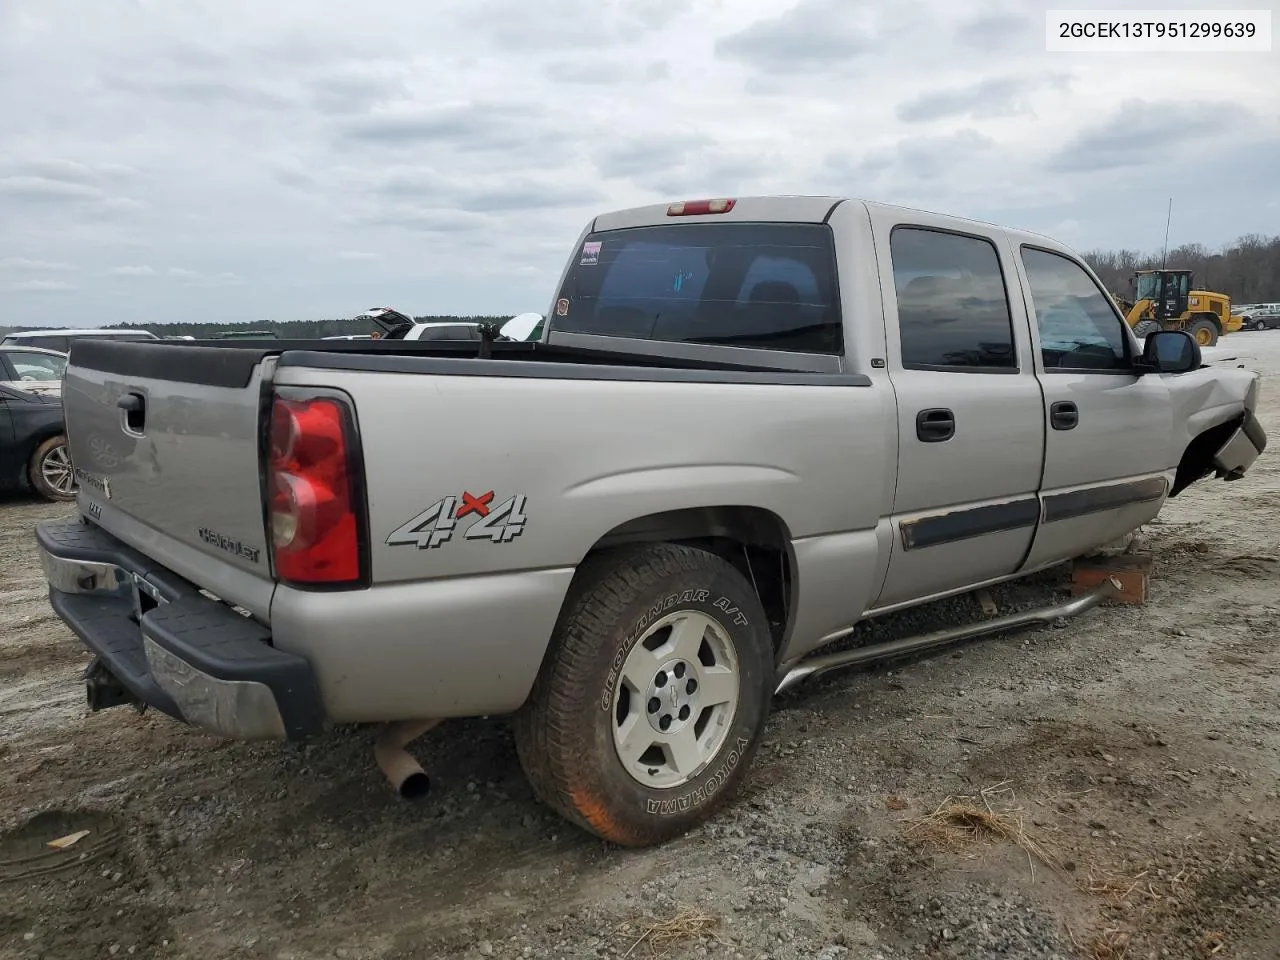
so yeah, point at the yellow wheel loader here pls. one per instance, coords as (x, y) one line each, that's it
(1163, 300)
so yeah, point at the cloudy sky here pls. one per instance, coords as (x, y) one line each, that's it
(245, 160)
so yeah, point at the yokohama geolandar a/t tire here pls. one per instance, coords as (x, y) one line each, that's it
(653, 697)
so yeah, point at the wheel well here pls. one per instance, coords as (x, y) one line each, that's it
(753, 539)
(1197, 459)
(1211, 317)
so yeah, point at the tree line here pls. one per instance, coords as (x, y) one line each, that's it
(1247, 270)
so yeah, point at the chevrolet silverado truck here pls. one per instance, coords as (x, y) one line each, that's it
(748, 425)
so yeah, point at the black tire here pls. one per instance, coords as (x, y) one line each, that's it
(1204, 330)
(565, 732)
(50, 461)
(1144, 328)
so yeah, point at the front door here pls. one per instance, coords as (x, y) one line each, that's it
(1109, 457)
(970, 415)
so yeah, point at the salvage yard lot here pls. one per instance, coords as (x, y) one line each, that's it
(1102, 788)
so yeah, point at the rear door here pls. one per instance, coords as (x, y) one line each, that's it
(970, 414)
(1109, 450)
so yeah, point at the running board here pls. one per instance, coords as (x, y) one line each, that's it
(814, 666)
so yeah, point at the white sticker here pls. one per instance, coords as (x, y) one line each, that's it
(590, 253)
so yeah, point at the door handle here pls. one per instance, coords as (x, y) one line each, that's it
(1064, 415)
(134, 408)
(935, 425)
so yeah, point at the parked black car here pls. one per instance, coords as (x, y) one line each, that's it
(33, 445)
(1262, 320)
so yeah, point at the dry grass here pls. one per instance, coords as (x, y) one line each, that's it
(1109, 944)
(662, 935)
(1136, 898)
(960, 820)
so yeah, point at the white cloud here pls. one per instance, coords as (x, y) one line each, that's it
(32, 266)
(132, 271)
(40, 286)
(306, 160)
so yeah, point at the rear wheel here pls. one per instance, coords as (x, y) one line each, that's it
(51, 472)
(1204, 330)
(653, 697)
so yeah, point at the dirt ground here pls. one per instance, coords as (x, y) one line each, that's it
(1100, 788)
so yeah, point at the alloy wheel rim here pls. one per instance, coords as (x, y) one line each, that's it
(675, 699)
(56, 470)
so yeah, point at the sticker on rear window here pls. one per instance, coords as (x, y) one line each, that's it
(591, 253)
(562, 307)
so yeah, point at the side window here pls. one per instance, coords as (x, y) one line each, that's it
(953, 311)
(37, 366)
(1079, 327)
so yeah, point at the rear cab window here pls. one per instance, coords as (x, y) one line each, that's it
(759, 285)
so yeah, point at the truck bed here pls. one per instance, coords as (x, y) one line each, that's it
(230, 362)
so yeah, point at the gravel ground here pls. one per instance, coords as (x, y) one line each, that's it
(1100, 788)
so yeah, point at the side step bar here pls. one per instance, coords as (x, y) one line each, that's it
(813, 666)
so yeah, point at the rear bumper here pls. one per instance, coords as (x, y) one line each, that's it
(170, 646)
(1244, 446)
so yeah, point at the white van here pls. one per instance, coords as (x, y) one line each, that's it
(61, 339)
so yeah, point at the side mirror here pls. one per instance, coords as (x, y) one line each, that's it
(521, 326)
(1171, 351)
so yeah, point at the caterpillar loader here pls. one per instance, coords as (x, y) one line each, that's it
(1163, 300)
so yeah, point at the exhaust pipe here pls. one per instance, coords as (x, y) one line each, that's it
(397, 765)
(792, 676)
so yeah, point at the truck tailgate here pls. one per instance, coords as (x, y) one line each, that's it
(166, 445)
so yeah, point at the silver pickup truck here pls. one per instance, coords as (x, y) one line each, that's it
(748, 425)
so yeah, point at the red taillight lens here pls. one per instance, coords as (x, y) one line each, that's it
(312, 509)
(696, 208)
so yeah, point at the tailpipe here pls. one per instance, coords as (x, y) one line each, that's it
(812, 667)
(397, 765)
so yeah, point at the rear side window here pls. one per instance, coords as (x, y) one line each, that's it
(953, 311)
(48, 343)
(36, 366)
(760, 285)
(139, 335)
(1079, 328)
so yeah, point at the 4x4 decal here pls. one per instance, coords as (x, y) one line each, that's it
(437, 524)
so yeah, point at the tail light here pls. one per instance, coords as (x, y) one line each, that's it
(696, 208)
(315, 505)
